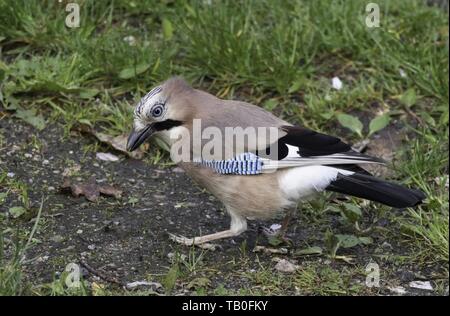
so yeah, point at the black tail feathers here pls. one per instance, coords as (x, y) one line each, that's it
(370, 188)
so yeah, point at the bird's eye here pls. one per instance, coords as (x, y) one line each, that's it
(157, 110)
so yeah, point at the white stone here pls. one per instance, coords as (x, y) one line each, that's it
(336, 83)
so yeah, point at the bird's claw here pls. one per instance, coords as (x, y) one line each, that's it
(181, 239)
(276, 237)
(191, 242)
(268, 232)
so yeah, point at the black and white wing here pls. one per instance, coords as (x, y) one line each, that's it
(299, 147)
(304, 147)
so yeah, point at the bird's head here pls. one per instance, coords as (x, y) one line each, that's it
(162, 109)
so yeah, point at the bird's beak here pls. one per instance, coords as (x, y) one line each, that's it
(137, 138)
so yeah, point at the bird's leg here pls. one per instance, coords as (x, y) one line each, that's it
(281, 233)
(285, 223)
(238, 225)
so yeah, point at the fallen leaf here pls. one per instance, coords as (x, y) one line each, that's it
(90, 190)
(106, 157)
(110, 190)
(119, 143)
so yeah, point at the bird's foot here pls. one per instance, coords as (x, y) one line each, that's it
(276, 237)
(196, 241)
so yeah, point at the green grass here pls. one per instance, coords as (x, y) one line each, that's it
(280, 55)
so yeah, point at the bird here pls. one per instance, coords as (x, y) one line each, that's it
(267, 167)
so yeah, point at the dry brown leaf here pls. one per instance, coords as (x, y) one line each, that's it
(110, 191)
(117, 142)
(91, 190)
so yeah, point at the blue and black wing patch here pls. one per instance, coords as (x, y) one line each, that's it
(243, 164)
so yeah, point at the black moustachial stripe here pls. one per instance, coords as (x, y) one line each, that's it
(165, 125)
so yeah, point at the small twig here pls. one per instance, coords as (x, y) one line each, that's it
(54, 215)
(100, 274)
(414, 115)
(143, 209)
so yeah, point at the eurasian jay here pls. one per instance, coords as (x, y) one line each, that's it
(265, 167)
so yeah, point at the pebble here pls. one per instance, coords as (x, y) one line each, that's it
(79, 231)
(285, 266)
(57, 238)
(171, 256)
(45, 162)
(178, 170)
(10, 174)
(91, 247)
(42, 259)
(27, 155)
